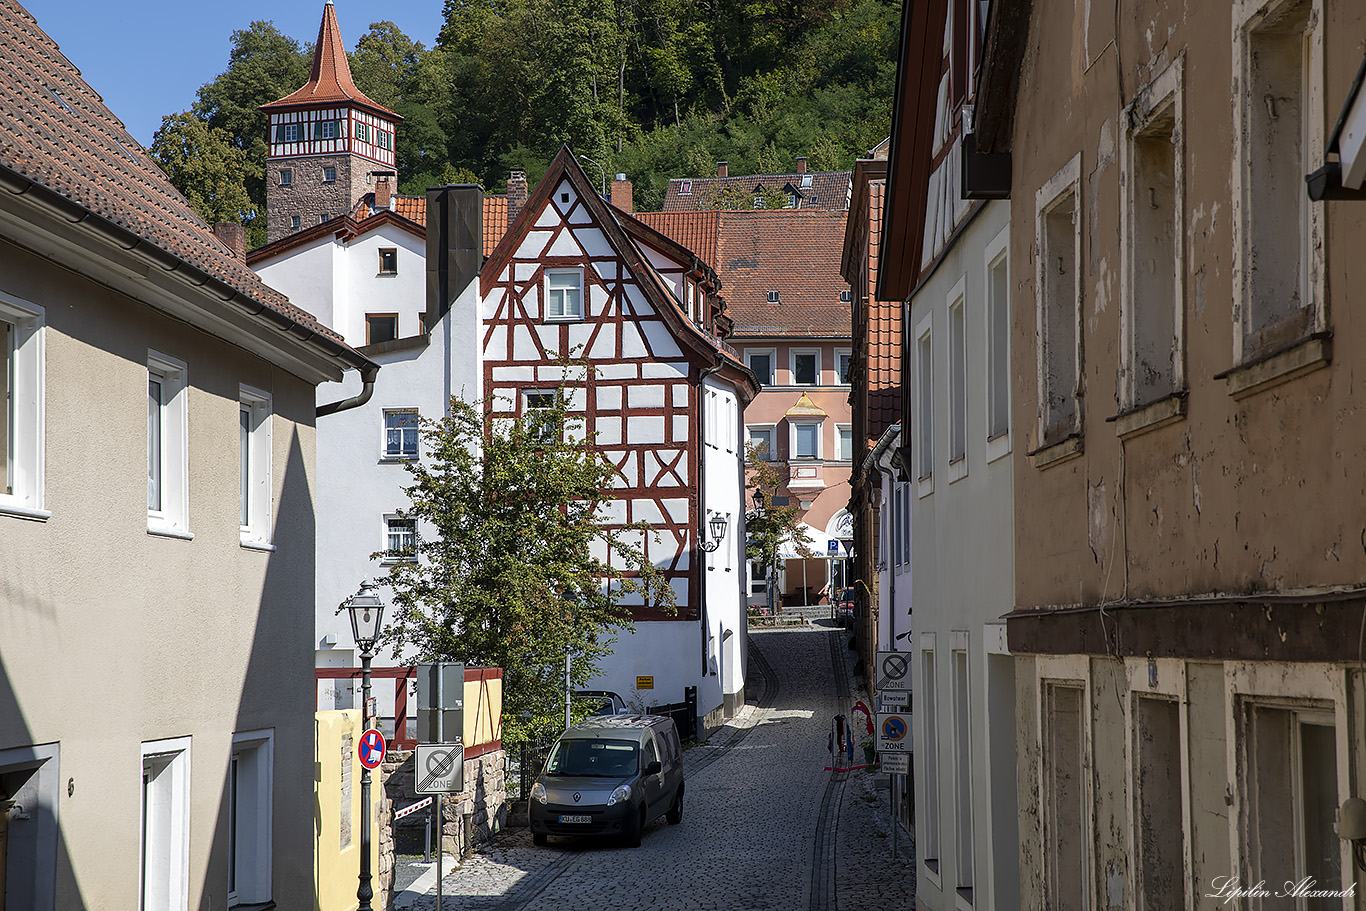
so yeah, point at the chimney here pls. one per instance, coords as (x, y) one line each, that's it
(722, 169)
(801, 165)
(455, 244)
(623, 196)
(517, 194)
(384, 192)
(234, 237)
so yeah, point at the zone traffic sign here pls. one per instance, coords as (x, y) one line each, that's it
(893, 732)
(893, 671)
(440, 768)
(371, 749)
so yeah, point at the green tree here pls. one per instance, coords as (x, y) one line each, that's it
(384, 63)
(506, 574)
(769, 526)
(737, 197)
(203, 165)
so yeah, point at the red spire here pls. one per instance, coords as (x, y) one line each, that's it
(330, 81)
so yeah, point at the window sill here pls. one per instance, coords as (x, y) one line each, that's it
(1291, 363)
(924, 486)
(20, 511)
(932, 871)
(166, 531)
(253, 544)
(395, 561)
(958, 468)
(998, 447)
(1045, 456)
(1167, 410)
(397, 459)
(564, 319)
(252, 906)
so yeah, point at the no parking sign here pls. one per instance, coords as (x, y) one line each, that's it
(371, 749)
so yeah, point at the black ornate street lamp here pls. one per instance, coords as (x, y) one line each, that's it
(717, 524)
(367, 614)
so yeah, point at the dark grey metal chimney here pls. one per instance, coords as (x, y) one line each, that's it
(455, 244)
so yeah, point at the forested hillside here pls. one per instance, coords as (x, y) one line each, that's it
(653, 90)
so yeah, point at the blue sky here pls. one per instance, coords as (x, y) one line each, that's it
(147, 58)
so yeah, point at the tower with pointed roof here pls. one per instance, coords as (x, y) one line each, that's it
(327, 141)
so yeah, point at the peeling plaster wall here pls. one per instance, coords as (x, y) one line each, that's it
(1239, 496)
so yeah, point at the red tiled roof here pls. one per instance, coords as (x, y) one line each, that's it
(330, 80)
(56, 132)
(414, 209)
(695, 230)
(829, 190)
(795, 252)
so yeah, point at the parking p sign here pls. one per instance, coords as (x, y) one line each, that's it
(893, 732)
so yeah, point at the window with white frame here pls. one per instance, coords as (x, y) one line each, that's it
(288, 132)
(400, 538)
(806, 440)
(1152, 173)
(758, 577)
(924, 401)
(400, 433)
(168, 452)
(1291, 806)
(761, 439)
(806, 367)
(962, 774)
(761, 363)
(363, 132)
(1058, 301)
(998, 344)
(958, 382)
(1278, 128)
(254, 444)
(564, 294)
(22, 427)
(250, 779)
(844, 361)
(927, 704)
(536, 409)
(165, 826)
(384, 139)
(294, 222)
(325, 129)
(844, 443)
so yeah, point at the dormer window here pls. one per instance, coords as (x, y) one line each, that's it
(846, 297)
(759, 202)
(792, 200)
(773, 297)
(685, 188)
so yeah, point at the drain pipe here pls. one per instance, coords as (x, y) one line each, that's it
(702, 500)
(367, 389)
(873, 463)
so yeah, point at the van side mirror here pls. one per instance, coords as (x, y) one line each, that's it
(653, 768)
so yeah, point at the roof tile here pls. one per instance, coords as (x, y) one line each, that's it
(330, 80)
(829, 190)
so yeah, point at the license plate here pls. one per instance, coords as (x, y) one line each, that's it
(583, 819)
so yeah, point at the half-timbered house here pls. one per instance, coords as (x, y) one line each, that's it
(662, 398)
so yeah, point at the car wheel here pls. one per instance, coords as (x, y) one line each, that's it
(539, 839)
(633, 833)
(675, 814)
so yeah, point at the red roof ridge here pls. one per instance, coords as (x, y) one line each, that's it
(330, 81)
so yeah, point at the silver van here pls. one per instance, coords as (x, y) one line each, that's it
(609, 775)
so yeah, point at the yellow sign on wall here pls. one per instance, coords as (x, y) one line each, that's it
(645, 683)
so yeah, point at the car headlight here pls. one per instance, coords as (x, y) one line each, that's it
(621, 794)
(538, 792)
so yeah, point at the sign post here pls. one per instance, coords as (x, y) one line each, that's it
(439, 768)
(893, 739)
(892, 671)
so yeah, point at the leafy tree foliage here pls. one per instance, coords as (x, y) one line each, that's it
(205, 167)
(506, 574)
(653, 90)
(769, 526)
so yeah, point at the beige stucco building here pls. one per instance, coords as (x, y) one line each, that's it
(1188, 532)
(156, 528)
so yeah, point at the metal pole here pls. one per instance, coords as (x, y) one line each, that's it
(891, 794)
(567, 715)
(440, 842)
(364, 893)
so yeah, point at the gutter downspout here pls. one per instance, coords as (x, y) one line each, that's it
(367, 389)
(702, 499)
(872, 463)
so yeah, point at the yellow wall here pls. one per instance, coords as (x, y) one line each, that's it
(336, 870)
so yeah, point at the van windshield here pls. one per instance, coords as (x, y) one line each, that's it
(594, 759)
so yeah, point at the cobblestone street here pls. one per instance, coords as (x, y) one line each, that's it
(764, 827)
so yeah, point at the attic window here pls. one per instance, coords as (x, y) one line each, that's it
(685, 188)
(62, 101)
(388, 260)
(564, 197)
(792, 200)
(806, 181)
(773, 297)
(845, 297)
(812, 200)
(759, 202)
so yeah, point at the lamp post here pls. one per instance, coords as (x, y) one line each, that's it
(367, 613)
(600, 168)
(771, 559)
(717, 525)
